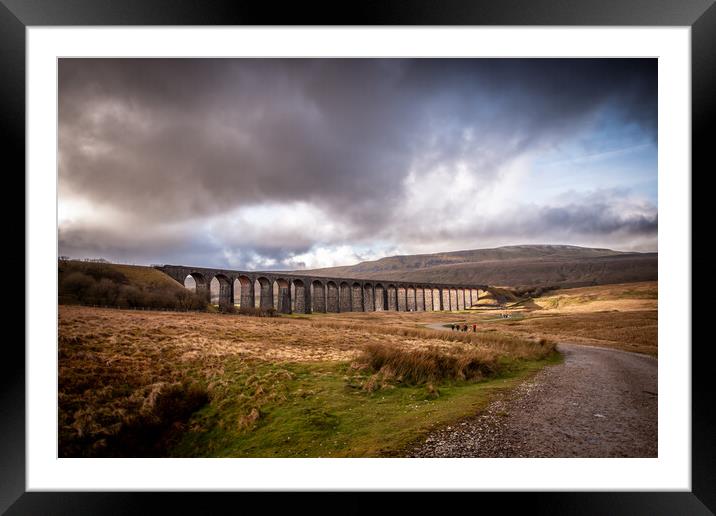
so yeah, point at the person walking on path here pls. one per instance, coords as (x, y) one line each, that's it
(474, 328)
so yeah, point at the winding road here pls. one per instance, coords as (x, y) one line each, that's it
(598, 403)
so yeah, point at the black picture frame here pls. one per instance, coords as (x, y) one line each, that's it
(16, 15)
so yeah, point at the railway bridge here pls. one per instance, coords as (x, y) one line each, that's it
(290, 292)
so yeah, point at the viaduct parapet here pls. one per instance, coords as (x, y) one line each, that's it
(299, 293)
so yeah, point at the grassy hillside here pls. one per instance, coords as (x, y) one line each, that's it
(496, 255)
(126, 286)
(146, 277)
(138, 275)
(622, 297)
(514, 266)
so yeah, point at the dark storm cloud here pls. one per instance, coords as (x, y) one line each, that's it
(182, 138)
(179, 140)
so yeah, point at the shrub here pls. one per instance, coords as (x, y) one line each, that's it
(102, 292)
(188, 300)
(249, 310)
(534, 291)
(96, 271)
(130, 297)
(103, 271)
(227, 309)
(429, 365)
(76, 284)
(257, 312)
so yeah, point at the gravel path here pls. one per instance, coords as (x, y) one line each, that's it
(598, 403)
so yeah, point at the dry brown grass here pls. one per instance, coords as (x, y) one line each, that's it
(460, 356)
(417, 337)
(621, 316)
(622, 297)
(116, 367)
(427, 365)
(629, 331)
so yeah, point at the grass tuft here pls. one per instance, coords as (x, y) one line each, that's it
(429, 365)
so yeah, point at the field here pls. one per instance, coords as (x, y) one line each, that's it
(143, 383)
(146, 383)
(621, 316)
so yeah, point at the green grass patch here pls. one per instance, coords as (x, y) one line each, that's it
(260, 409)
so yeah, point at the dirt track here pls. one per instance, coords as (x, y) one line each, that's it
(598, 403)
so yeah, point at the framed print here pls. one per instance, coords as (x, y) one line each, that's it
(414, 250)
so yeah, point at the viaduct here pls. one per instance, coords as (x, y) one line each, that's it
(299, 293)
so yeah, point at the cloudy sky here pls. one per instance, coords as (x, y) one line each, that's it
(303, 163)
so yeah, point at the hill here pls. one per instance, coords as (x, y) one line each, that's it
(521, 266)
(125, 286)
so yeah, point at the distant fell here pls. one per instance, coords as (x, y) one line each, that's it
(513, 266)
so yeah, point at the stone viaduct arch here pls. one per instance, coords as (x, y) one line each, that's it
(381, 297)
(445, 299)
(244, 292)
(410, 299)
(265, 293)
(356, 297)
(201, 284)
(282, 290)
(224, 290)
(318, 296)
(332, 304)
(420, 299)
(368, 298)
(300, 293)
(345, 297)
